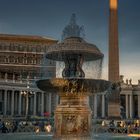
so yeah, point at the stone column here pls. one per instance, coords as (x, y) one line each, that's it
(19, 104)
(126, 106)
(5, 102)
(8, 102)
(13, 78)
(103, 105)
(0, 75)
(49, 101)
(139, 106)
(42, 103)
(12, 103)
(31, 105)
(34, 111)
(39, 103)
(95, 106)
(131, 105)
(16, 102)
(5, 77)
(20, 78)
(46, 105)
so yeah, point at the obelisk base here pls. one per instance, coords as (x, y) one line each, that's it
(113, 111)
(114, 105)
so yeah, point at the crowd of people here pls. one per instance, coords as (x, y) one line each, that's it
(6, 126)
(123, 126)
(25, 126)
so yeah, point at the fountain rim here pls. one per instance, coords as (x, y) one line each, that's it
(48, 83)
(79, 46)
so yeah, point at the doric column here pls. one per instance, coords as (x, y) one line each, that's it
(42, 103)
(5, 77)
(46, 105)
(34, 111)
(5, 102)
(8, 101)
(20, 78)
(31, 105)
(39, 103)
(0, 75)
(19, 104)
(131, 105)
(95, 106)
(49, 102)
(16, 102)
(126, 106)
(13, 78)
(12, 103)
(139, 106)
(103, 105)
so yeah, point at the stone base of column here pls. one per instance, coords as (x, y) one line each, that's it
(114, 111)
(114, 105)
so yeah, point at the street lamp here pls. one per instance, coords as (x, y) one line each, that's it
(27, 94)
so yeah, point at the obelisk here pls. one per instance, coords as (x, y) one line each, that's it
(113, 73)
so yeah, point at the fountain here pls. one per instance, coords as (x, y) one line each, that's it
(73, 114)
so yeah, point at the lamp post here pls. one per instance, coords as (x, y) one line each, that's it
(27, 94)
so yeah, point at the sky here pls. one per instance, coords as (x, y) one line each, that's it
(49, 17)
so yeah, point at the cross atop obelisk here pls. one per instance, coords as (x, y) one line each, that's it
(113, 4)
(113, 73)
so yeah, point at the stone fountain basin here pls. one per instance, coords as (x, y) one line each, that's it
(73, 85)
(73, 46)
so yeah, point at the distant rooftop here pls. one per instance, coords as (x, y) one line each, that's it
(26, 38)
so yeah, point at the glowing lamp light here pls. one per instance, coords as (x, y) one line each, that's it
(113, 4)
(134, 135)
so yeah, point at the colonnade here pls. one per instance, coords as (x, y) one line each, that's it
(98, 103)
(14, 103)
(129, 105)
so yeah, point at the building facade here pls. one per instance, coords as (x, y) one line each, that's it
(130, 99)
(21, 64)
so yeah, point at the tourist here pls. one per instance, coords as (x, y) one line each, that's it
(37, 130)
(1, 125)
(103, 123)
(48, 128)
(4, 128)
(15, 126)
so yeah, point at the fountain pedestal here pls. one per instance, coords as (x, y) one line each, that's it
(73, 116)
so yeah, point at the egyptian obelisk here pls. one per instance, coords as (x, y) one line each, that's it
(113, 73)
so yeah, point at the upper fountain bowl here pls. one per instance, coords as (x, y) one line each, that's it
(73, 46)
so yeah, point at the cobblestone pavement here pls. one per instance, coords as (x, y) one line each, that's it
(44, 136)
(25, 136)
